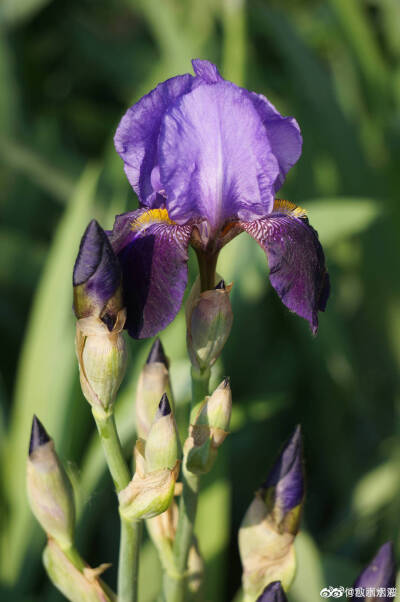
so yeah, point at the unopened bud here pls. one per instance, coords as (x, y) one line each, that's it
(381, 571)
(153, 383)
(49, 490)
(209, 320)
(102, 360)
(151, 490)
(162, 445)
(268, 530)
(75, 585)
(98, 306)
(97, 277)
(273, 593)
(209, 430)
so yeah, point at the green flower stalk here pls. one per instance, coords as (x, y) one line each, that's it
(49, 489)
(151, 490)
(162, 530)
(209, 430)
(270, 525)
(152, 384)
(209, 320)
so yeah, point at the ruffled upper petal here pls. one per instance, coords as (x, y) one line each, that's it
(153, 255)
(283, 134)
(137, 134)
(296, 260)
(215, 158)
(207, 71)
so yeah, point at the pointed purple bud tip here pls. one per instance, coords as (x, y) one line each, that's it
(287, 474)
(39, 435)
(97, 271)
(381, 571)
(157, 354)
(273, 593)
(220, 285)
(164, 407)
(227, 382)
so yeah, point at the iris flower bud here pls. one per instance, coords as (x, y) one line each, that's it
(151, 490)
(98, 306)
(209, 430)
(49, 490)
(76, 585)
(269, 527)
(153, 383)
(97, 277)
(380, 573)
(273, 593)
(209, 320)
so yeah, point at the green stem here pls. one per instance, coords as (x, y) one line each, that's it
(175, 585)
(128, 566)
(112, 450)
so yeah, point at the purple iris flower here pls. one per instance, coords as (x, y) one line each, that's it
(273, 593)
(206, 158)
(380, 573)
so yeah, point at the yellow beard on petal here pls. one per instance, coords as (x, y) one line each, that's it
(150, 217)
(282, 206)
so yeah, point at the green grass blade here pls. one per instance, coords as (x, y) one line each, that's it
(46, 370)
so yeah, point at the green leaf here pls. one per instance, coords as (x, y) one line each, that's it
(376, 489)
(14, 11)
(339, 218)
(309, 578)
(28, 162)
(46, 369)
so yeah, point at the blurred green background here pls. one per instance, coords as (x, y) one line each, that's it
(68, 71)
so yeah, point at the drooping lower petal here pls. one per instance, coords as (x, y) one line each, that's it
(153, 254)
(215, 158)
(296, 259)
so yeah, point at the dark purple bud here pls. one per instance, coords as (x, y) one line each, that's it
(39, 435)
(220, 285)
(273, 593)
(97, 276)
(227, 382)
(164, 407)
(157, 354)
(380, 573)
(284, 487)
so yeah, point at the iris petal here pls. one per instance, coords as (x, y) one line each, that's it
(137, 134)
(283, 134)
(215, 157)
(296, 260)
(153, 254)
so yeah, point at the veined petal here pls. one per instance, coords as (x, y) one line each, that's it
(207, 71)
(153, 255)
(283, 134)
(296, 259)
(215, 157)
(137, 134)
